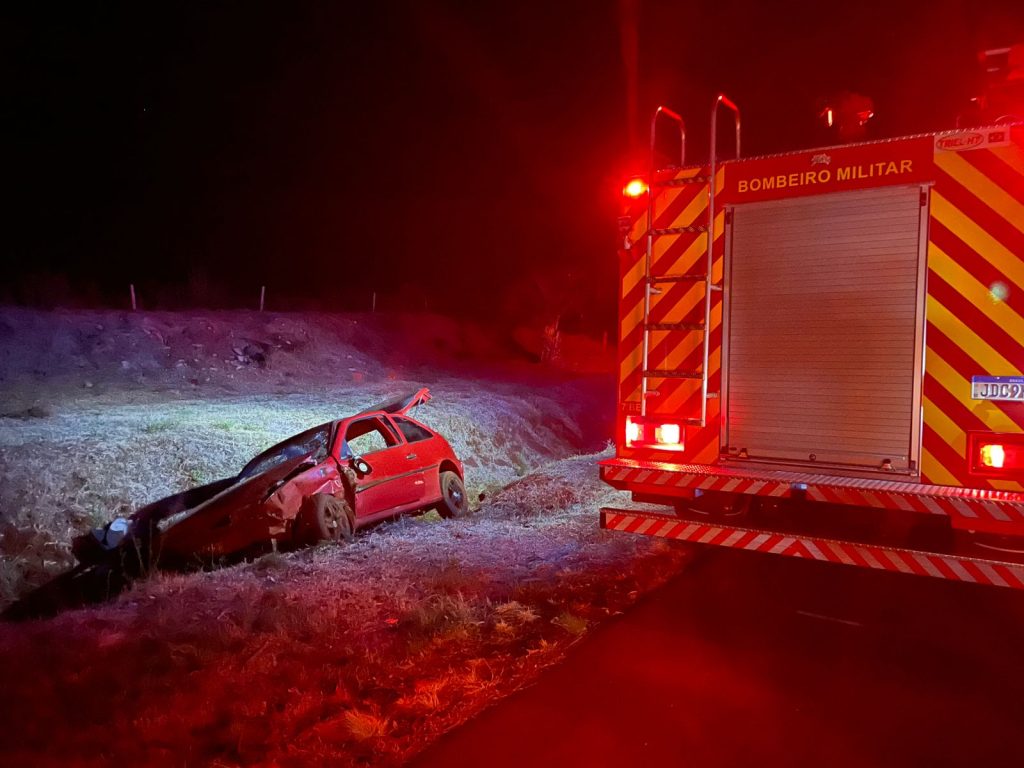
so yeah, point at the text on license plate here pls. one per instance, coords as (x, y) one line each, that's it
(997, 388)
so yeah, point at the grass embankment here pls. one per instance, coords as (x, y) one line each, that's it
(340, 655)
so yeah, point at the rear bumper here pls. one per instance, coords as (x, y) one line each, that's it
(967, 508)
(953, 567)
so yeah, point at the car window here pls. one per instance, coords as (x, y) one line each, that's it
(411, 430)
(312, 442)
(368, 435)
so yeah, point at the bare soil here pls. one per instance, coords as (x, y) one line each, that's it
(340, 655)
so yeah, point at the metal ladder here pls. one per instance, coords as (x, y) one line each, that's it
(652, 281)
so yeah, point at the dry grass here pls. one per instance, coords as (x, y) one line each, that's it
(61, 475)
(336, 655)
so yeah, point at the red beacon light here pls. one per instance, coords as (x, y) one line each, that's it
(635, 188)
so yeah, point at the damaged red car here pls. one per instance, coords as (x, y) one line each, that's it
(321, 484)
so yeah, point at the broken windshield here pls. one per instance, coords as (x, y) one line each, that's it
(313, 443)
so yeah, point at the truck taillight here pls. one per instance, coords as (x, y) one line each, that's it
(993, 456)
(654, 433)
(634, 432)
(996, 455)
(635, 188)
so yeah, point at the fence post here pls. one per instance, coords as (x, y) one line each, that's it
(373, 304)
(131, 291)
(263, 295)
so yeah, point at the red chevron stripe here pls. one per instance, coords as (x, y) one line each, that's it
(671, 293)
(662, 347)
(973, 263)
(954, 355)
(976, 572)
(677, 200)
(854, 554)
(919, 563)
(975, 319)
(979, 212)
(966, 367)
(948, 403)
(949, 459)
(943, 568)
(1009, 576)
(998, 170)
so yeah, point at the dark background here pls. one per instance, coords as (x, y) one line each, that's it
(468, 156)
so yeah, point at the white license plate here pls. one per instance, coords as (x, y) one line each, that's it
(997, 388)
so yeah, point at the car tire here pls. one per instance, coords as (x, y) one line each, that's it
(326, 518)
(454, 502)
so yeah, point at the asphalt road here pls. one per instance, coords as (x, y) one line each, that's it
(751, 659)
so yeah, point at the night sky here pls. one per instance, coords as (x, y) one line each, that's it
(467, 155)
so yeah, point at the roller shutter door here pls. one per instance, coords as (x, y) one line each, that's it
(822, 315)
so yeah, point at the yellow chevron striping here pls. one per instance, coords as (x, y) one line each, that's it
(990, 413)
(1012, 155)
(688, 299)
(951, 433)
(695, 295)
(934, 471)
(698, 247)
(688, 216)
(980, 241)
(1006, 485)
(633, 276)
(631, 319)
(708, 454)
(982, 187)
(631, 362)
(682, 393)
(976, 292)
(970, 342)
(638, 231)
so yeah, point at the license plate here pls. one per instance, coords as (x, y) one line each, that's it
(997, 388)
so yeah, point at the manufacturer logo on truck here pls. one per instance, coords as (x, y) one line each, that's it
(963, 140)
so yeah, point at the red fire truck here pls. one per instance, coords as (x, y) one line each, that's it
(822, 352)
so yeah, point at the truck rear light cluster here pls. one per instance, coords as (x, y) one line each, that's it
(993, 455)
(654, 433)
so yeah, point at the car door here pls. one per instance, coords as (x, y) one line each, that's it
(395, 479)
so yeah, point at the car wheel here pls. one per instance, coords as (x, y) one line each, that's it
(454, 502)
(326, 518)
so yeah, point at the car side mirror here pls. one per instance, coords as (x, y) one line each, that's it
(362, 466)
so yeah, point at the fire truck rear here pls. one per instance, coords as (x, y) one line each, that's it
(822, 352)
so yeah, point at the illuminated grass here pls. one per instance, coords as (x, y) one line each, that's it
(337, 655)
